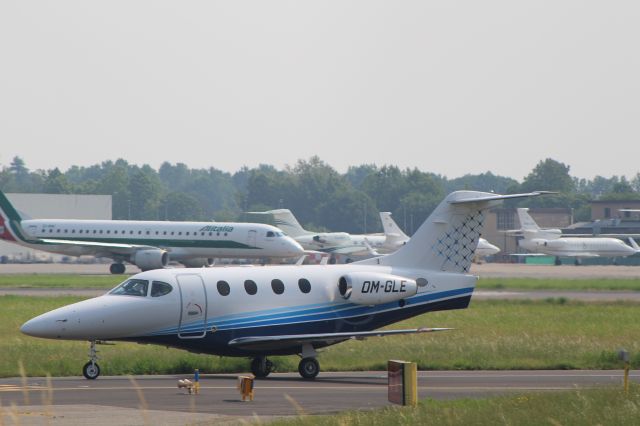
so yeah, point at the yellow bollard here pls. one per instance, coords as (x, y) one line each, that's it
(623, 355)
(245, 386)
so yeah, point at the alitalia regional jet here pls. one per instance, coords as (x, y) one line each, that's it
(283, 310)
(146, 244)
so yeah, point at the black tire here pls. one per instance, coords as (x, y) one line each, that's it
(91, 370)
(117, 268)
(309, 368)
(261, 369)
(558, 262)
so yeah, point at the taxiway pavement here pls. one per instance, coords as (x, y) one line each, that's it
(285, 394)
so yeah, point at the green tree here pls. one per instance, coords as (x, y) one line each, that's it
(549, 175)
(56, 183)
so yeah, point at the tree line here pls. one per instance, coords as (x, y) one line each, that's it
(319, 196)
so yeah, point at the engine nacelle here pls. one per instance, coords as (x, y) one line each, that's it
(198, 262)
(150, 259)
(367, 288)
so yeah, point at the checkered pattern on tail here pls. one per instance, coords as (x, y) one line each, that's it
(456, 245)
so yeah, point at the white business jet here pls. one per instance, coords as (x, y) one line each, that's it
(339, 243)
(551, 242)
(282, 310)
(146, 244)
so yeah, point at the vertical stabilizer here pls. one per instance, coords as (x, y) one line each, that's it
(447, 240)
(527, 224)
(391, 228)
(285, 220)
(9, 220)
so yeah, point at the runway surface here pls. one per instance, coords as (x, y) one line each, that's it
(109, 398)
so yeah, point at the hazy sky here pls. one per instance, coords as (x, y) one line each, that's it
(451, 87)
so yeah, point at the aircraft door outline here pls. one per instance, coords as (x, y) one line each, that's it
(251, 238)
(193, 307)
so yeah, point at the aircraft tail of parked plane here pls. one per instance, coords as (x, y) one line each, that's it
(394, 235)
(285, 220)
(530, 228)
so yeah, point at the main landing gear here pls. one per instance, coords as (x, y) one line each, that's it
(117, 268)
(308, 366)
(91, 369)
(261, 367)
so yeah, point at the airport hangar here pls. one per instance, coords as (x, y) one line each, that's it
(53, 206)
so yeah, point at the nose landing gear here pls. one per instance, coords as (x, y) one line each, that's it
(117, 268)
(91, 369)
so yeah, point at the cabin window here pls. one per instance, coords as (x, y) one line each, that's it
(180, 233)
(108, 231)
(305, 285)
(57, 230)
(202, 234)
(130, 232)
(158, 288)
(225, 234)
(250, 287)
(101, 231)
(277, 286)
(132, 287)
(172, 232)
(210, 233)
(80, 231)
(157, 232)
(50, 230)
(223, 288)
(73, 231)
(115, 232)
(187, 233)
(218, 234)
(164, 233)
(139, 232)
(147, 232)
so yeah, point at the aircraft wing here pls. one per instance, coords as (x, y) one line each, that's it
(277, 342)
(99, 247)
(346, 250)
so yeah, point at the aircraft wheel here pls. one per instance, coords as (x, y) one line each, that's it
(261, 367)
(117, 268)
(91, 370)
(558, 262)
(309, 368)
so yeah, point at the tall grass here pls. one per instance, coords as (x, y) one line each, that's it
(606, 406)
(488, 335)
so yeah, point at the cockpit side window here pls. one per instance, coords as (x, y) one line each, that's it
(132, 287)
(270, 234)
(158, 288)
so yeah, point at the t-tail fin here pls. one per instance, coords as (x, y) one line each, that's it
(285, 220)
(527, 224)
(447, 240)
(391, 228)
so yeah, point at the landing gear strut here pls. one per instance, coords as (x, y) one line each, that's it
(117, 268)
(557, 262)
(91, 369)
(261, 367)
(308, 366)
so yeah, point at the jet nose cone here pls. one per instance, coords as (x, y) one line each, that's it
(43, 326)
(295, 248)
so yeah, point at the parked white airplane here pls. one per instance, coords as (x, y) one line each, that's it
(485, 248)
(334, 242)
(551, 242)
(262, 311)
(147, 244)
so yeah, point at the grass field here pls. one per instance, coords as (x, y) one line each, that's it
(110, 281)
(488, 335)
(606, 406)
(558, 284)
(60, 281)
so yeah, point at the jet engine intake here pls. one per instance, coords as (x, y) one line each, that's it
(373, 289)
(150, 259)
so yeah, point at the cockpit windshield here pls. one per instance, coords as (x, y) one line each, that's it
(132, 287)
(275, 234)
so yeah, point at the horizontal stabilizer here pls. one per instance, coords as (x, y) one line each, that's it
(483, 197)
